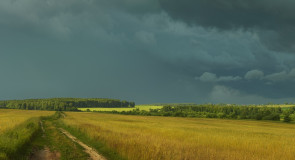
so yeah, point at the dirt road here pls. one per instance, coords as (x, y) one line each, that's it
(54, 143)
(93, 154)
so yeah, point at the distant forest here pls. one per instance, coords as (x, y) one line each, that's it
(220, 111)
(65, 104)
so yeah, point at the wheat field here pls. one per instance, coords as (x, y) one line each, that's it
(9, 118)
(166, 138)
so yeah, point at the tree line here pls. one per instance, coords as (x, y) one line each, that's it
(220, 111)
(65, 104)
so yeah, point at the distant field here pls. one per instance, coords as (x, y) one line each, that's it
(280, 105)
(147, 107)
(166, 138)
(140, 107)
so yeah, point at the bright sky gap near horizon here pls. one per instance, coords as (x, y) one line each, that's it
(149, 51)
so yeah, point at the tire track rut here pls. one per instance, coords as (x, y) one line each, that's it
(92, 152)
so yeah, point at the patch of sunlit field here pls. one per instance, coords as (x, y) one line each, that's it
(166, 138)
(280, 105)
(9, 118)
(140, 107)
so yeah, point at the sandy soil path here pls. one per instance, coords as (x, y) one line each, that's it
(93, 154)
(45, 154)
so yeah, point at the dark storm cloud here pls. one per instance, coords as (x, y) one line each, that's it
(273, 20)
(85, 49)
(135, 50)
(270, 14)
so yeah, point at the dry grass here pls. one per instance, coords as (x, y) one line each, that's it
(166, 138)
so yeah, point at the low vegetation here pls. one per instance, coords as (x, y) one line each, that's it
(145, 138)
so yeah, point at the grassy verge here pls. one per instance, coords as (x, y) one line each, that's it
(27, 139)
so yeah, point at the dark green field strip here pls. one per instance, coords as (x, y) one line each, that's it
(13, 142)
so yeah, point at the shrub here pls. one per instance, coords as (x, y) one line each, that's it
(287, 118)
(273, 116)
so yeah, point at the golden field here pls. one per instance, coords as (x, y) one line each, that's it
(166, 138)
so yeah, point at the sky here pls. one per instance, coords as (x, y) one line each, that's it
(149, 51)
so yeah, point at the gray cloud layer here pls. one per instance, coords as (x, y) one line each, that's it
(282, 76)
(147, 50)
(254, 74)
